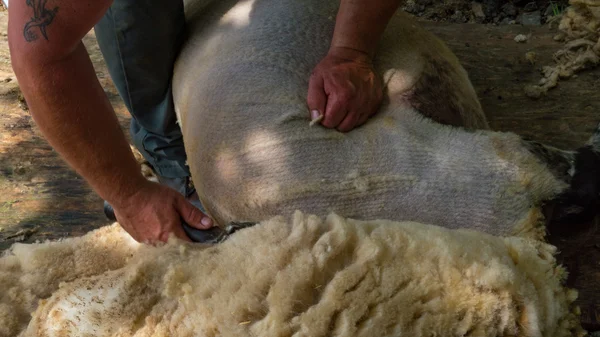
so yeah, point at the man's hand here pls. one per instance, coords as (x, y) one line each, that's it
(73, 112)
(344, 89)
(156, 211)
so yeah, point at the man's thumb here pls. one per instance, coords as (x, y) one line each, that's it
(193, 216)
(316, 98)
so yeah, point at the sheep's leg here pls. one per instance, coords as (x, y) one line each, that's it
(582, 167)
(560, 162)
(594, 141)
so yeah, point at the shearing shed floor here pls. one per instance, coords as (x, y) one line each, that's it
(41, 198)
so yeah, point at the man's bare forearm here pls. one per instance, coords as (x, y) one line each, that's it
(72, 111)
(360, 24)
(74, 114)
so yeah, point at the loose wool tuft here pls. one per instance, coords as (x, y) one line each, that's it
(580, 30)
(304, 277)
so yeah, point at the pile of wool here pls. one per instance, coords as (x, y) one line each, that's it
(30, 272)
(580, 28)
(304, 277)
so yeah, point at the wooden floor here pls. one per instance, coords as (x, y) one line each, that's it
(41, 198)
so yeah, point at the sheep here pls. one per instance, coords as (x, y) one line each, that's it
(427, 156)
(297, 276)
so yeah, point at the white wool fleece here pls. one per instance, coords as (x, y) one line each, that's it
(308, 277)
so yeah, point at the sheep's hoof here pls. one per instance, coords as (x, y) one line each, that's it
(580, 202)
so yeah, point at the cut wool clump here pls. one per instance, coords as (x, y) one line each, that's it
(30, 272)
(304, 277)
(580, 28)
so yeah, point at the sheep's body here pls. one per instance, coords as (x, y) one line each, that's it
(240, 89)
(304, 277)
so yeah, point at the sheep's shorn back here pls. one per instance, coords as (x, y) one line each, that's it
(301, 276)
(240, 88)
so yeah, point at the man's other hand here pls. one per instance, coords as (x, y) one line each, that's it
(344, 89)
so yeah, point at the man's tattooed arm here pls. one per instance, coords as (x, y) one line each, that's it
(42, 18)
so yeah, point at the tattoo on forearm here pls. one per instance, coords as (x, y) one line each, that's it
(42, 18)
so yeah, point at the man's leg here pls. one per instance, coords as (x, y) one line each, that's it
(140, 40)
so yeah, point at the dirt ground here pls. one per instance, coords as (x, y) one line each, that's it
(486, 11)
(40, 197)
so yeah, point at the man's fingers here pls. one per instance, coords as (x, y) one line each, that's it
(350, 122)
(316, 98)
(362, 120)
(335, 111)
(373, 105)
(192, 215)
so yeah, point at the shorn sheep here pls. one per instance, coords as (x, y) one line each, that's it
(428, 156)
(460, 252)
